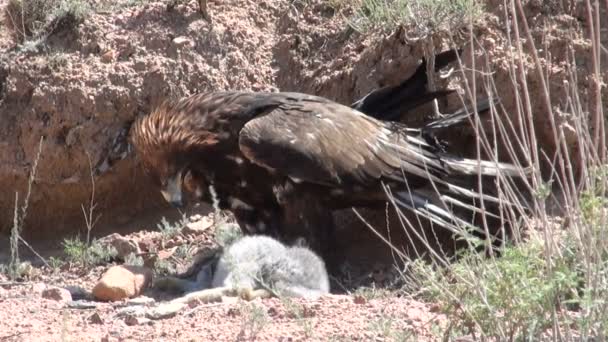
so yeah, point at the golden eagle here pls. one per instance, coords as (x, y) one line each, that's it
(282, 162)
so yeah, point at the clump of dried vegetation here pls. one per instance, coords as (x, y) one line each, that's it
(550, 280)
(32, 20)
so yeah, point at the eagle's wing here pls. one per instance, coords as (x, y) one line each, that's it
(316, 140)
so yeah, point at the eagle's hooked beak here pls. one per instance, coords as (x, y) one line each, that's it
(172, 191)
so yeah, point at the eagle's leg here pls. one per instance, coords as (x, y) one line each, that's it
(306, 217)
(257, 221)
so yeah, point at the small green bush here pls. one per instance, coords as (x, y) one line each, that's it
(515, 295)
(170, 230)
(79, 252)
(33, 19)
(421, 17)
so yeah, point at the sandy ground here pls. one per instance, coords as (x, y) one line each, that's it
(26, 314)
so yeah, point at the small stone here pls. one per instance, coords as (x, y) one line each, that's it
(359, 299)
(135, 310)
(133, 320)
(120, 282)
(146, 245)
(166, 253)
(183, 41)
(199, 226)
(122, 245)
(38, 288)
(82, 304)
(108, 56)
(141, 300)
(78, 292)
(434, 308)
(58, 294)
(166, 310)
(196, 217)
(95, 318)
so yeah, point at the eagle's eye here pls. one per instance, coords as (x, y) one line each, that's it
(194, 183)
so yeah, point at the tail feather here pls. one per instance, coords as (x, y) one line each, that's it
(456, 202)
(393, 109)
(467, 166)
(390, 102)
(422, 205)
(460, 191)
(459, 116)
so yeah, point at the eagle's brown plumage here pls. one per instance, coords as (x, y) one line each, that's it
(283, 161)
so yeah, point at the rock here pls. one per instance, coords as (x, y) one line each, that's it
(183, 41)
(38, 288)
(122, 245)
(135, 302)
(141, 300)
(359, 299)
(120, 282)
(134, 310)
(435, 308)
(108, 56)
(198, 227)
(78, 292)
(95, 318)
(134, 320)
(166, 253)
(58, 294)
(146, 245)
(82, 304)
(166, 310)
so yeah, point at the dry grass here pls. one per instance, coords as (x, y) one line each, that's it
(550, 280)
(15, 268)
(421, 18)
(32, 20)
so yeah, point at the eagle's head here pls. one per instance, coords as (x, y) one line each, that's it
(167, 142)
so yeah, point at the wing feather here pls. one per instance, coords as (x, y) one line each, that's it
(324, 142)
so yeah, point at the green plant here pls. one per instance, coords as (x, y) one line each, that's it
(56, 61)
(255, 320)
(19, 215)
(110, 6)
(372, 292)
(514, 295)
(33, 19)
(300, 314)
(85, 254)
(26, 18)
(226, 233)
(70, 13)
(387, 328)
(170, 230)
(55, 263)
(422, 18)
(164, 267)
(134, 260)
